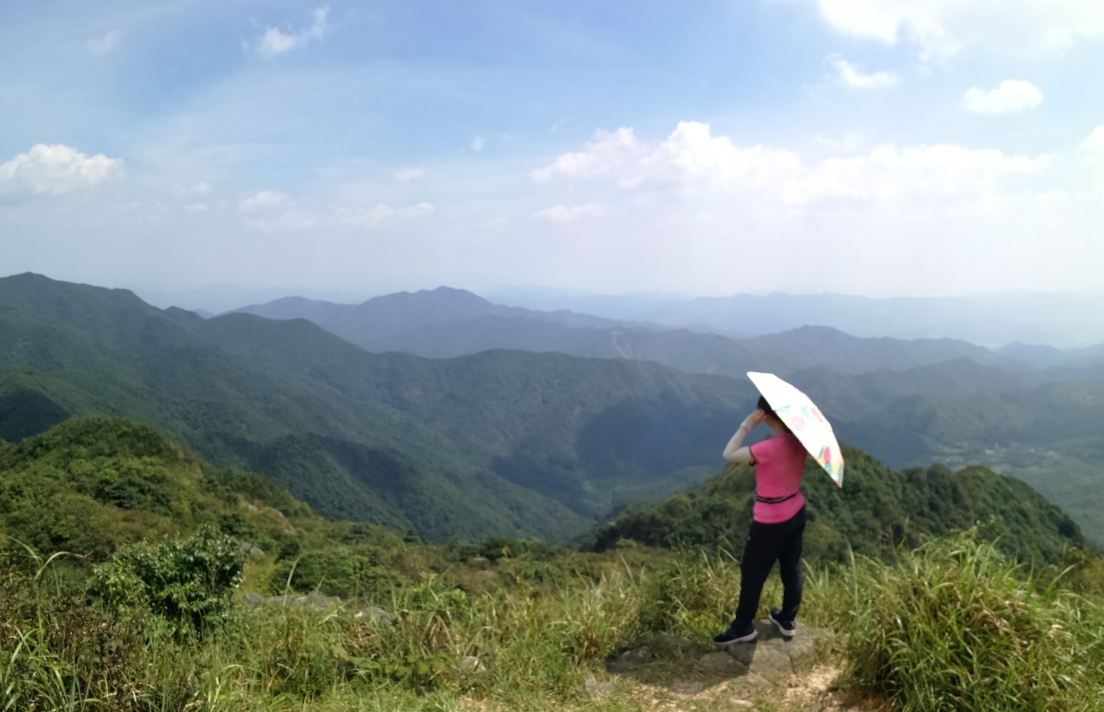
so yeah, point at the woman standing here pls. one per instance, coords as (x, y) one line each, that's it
(777, 527)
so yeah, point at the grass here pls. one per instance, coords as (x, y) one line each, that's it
(951, 626)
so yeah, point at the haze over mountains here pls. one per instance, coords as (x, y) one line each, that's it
(523, 440)
(445, 322)
(1023, 410)
(499, 442)
(993, 320)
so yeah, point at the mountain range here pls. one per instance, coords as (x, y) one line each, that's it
(444, 323)
(517, 442)
(993, 320)
(504, 442)
(910, 403)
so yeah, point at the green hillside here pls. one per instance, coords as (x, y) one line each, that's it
(142, 621)
(90, 485)
(877, 510)
(1048, 436)
(506, 443)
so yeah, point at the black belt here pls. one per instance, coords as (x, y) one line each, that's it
(774, 500)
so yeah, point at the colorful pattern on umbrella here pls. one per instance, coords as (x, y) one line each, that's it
(805, 420)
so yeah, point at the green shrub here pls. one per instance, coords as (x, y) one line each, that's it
(186, 581)
(956, 626)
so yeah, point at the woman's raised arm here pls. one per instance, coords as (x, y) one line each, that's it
(734, 451)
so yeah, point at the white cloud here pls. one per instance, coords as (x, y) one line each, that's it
(274, 211)
(564, 214)
(942, 28)
(693, 160)
(196, 189)
(410, 174)
(1095, 142)
(477, 144)
(943, 173)
(274, 41)
(103, 45)
(263, 200)
(691, 155)
(56, 170)
(855, 79)
(606, 153)
(379, 215)
(1011, 96)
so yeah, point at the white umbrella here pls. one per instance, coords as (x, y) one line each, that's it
(804, 420)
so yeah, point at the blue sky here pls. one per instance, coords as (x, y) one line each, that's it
(879, 147)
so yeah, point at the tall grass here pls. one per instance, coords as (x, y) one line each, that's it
(957, 626)
(953, 626)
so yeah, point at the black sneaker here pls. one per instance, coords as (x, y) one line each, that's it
(737, 633)
(786, 628)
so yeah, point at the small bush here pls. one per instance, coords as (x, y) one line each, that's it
(186, 581)
(956, 626)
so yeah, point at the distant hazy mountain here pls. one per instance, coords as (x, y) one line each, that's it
(503, 442)
(383, 317)
(1060, 320)
(1041, 357)
(445, 323)
(512, 442)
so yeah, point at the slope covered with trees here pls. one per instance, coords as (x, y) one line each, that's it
(877, 511)
(501, 442)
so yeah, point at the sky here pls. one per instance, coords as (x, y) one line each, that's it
(873, 147)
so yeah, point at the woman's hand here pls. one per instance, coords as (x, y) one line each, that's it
(734, 451)
(759, 416)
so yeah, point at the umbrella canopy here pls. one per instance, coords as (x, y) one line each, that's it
(804, 419)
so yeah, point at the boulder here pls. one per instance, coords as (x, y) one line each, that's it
(254, 599)
(774, 656)
(637, 656)
(631, 660)
(377, 616)
(722, 664)
(672, 645)
(317, 601)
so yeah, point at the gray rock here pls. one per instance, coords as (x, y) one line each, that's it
(802, 650)
(251, 550)
(771, 662)
(317, 601)
(471, 664)
(773, 656)
(754, 683)
(596, 688)
(377, 616)
(282, 601)
(672, 645)
(486, 576)
(687, 687)
(637, 656)
(254, 599)
(722, 664)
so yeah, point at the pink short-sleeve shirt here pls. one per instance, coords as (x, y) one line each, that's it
(779, 462)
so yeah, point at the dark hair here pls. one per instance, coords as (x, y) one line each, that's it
(764, 406)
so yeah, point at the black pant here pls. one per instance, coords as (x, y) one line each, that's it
(766, 544)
